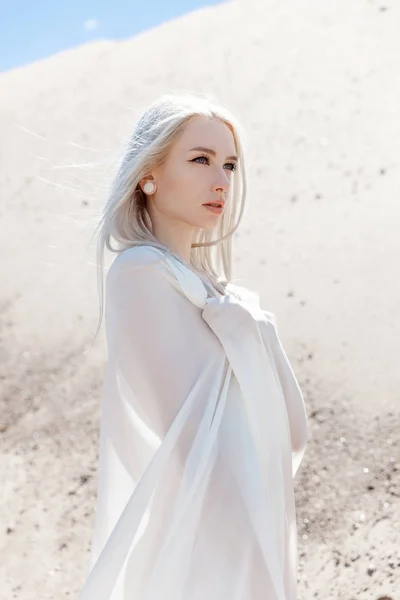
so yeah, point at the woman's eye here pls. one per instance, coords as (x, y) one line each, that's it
(233, 166)
(198, 158)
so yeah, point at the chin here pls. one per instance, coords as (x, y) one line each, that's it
(210, 223)
(208, 226)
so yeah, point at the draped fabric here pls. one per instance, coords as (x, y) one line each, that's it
(203, 429)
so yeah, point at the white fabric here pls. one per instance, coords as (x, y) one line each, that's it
(203, 428)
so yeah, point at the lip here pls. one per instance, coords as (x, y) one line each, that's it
(216, 210)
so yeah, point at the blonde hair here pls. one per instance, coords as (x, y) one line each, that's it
(125, 218)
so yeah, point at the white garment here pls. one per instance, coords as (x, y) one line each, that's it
(203, 428)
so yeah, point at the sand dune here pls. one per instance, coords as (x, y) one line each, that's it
(316, 86)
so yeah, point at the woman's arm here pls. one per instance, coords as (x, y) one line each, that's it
(158, 345)
(156, 338)
(294, 400)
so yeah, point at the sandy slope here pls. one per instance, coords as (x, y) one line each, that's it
(316, 86)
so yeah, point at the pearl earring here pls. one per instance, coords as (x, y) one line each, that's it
(148, 187)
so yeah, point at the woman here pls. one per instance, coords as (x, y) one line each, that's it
(203, 423)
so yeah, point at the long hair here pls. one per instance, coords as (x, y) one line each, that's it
(125, 218)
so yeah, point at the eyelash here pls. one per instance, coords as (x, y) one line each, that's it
(234, 165)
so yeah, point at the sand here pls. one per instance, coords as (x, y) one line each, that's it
(316, 87)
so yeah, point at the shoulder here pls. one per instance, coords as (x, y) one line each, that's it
(139, 255)
(135, 257)
(138, 265)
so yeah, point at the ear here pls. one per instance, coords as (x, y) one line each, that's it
(144, 180)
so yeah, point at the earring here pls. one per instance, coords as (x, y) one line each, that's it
(149, 187)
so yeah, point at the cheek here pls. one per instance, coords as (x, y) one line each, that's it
(181, 182)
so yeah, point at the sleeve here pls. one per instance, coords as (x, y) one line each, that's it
(294, 400)
(157, 342)
(154, 338)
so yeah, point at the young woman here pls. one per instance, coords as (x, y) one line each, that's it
(203, 423)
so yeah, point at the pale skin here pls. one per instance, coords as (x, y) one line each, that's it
(185, 182)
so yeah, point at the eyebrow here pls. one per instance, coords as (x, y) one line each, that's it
(212, 152)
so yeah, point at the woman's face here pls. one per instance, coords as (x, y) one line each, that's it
(190, 178)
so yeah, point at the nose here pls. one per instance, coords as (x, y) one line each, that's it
(223, 183)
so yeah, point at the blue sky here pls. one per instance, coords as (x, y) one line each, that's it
(32, 30)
